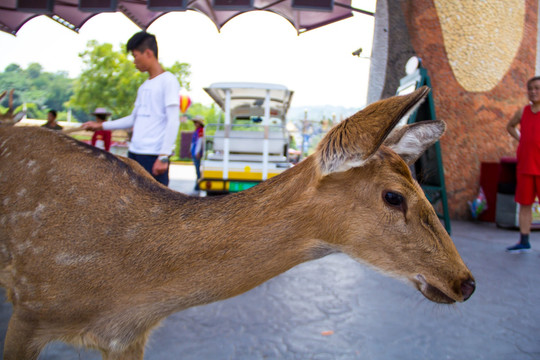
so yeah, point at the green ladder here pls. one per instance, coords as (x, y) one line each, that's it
(428, 170)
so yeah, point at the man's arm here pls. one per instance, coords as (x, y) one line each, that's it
(171, 131)
(122, 123)
(513, 123)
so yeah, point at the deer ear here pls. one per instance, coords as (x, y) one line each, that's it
(411, 141)
(18, 117)
(353, 141)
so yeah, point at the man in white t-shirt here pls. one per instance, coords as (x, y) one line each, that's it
(155, 116)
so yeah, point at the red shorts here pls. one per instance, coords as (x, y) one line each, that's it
(527, 189)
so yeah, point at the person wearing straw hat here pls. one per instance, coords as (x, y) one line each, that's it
(197, 148)
(102, 138)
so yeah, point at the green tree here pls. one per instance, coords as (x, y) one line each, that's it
(110, 80)
(40, 90)
(59, 91)
(34, 70)
(211, 114)
(13, 68)
(13, 78)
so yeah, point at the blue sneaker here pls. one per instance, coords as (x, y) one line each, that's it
(518, 248)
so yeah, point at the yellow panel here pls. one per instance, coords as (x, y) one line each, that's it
(212, 174)
(236, 175)
(215, 185)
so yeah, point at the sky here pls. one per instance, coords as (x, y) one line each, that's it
(257, 47)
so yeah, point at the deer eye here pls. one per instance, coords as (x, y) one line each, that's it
(393, 199)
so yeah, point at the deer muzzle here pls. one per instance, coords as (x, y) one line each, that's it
(461, 291)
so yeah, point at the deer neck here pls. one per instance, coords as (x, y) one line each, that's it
(234, 243)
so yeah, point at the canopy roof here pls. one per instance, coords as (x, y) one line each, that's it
(68, 13)
(248, 99)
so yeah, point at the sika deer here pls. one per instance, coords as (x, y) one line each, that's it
(94, 253)
(8, 118)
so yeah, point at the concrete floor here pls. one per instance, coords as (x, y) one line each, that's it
(335, 308)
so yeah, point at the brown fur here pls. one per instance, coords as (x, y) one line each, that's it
(95, 253)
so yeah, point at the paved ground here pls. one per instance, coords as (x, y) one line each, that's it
(182, 178)
(334, 308)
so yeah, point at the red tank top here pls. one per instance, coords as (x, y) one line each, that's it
(528, 152)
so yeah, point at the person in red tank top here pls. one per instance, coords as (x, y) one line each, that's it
(528, 161)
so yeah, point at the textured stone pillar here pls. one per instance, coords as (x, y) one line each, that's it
(479, 55)
(391, 50)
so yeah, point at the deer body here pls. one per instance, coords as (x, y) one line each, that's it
(95, 253)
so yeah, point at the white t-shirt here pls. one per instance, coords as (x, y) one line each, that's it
(155, 117)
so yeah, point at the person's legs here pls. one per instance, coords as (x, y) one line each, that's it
(147, 162)
(197, 164)
(526, 190)
(525, 218)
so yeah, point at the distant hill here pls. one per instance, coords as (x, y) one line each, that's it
(318, 113)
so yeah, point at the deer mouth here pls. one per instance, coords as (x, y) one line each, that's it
(431, 292)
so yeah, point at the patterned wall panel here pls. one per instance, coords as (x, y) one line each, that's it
(479, 55)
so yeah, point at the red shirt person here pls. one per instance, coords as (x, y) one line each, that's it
(528, 157)
(102, 138)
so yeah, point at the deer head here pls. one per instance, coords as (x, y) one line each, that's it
(8, 118)
(385, 219)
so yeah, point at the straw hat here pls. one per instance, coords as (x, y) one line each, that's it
(101, 111)
(199, 119)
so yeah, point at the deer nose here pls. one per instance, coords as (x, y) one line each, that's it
(467, 288)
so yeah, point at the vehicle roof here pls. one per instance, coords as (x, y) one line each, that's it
(250, 97)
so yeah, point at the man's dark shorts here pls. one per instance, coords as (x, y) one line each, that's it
(147, 162)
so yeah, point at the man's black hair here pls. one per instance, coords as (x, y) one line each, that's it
(53, 112)
(532, 79)
(142, 41)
